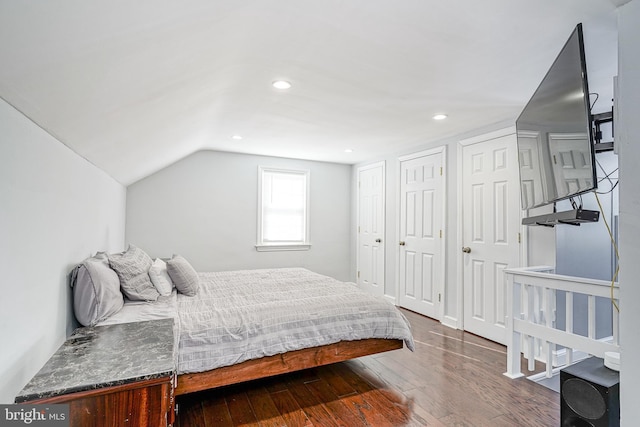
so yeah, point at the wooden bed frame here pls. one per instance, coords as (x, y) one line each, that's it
(282, 363)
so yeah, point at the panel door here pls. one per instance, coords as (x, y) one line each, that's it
(491, 216)
(421, 234)
(371, 206)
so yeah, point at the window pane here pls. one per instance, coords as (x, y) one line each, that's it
(284, 206)
(287, 191)
(280, 228)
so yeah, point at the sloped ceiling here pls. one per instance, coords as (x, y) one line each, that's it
(133, 86)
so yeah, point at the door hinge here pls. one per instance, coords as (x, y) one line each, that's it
(441, 234)
(519, 238)
(358, 274)
(439, 297)
(358, 229)
(440, 170)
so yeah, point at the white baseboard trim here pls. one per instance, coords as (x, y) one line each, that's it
(451, 322)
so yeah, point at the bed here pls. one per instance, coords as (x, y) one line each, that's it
(249, 324)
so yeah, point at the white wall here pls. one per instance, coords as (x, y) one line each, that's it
(204, 207)
(628, 140)
(55, 210)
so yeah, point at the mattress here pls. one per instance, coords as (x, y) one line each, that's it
(248, 314)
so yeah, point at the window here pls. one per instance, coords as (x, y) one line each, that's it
(283, 210)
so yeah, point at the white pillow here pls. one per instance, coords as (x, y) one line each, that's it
(160, 278)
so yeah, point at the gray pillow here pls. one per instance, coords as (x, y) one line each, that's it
(132, 268)
(183, 276)
(96, 290)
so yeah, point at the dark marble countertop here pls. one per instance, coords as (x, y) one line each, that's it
(103, 356)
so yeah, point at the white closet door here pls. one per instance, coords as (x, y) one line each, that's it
(421, 234)
(491, 217)
(371, 206)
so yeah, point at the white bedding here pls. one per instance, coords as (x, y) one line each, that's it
(249, 314)
(137, 311)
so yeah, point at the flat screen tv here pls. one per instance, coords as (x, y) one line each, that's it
(555, 142)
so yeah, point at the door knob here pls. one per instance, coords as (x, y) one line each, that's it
(378, 240)
(401, 243)
(466, 250)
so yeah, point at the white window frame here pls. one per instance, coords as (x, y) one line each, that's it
(261, 244)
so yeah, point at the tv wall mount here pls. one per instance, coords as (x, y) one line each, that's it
(599, 120)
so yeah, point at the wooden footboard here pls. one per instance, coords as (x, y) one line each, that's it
(283, 363)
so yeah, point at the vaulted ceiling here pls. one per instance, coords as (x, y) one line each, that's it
(134, 86)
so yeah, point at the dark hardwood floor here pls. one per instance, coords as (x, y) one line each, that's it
(452, 379)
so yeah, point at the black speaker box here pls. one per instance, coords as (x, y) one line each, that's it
(590, 395)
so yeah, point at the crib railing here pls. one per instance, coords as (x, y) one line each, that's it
(532, 294)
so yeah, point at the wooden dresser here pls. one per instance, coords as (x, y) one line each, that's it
(116, 375)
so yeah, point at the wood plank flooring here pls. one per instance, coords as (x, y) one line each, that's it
(452, 379)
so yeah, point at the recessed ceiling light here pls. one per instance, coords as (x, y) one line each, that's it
(439, 117)
(236, 137)
(348, 150)
(281, 84)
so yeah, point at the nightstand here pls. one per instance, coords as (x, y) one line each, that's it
(113, 375)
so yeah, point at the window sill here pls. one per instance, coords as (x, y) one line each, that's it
(267, 247)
